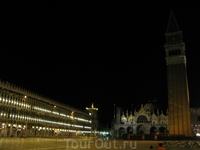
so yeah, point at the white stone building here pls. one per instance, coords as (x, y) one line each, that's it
(147, 120)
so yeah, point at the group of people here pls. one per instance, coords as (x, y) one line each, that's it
(160, 147)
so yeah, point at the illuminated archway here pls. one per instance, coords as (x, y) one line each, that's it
(141, 129)
(142, 119)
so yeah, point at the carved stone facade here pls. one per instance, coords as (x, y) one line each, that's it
(25, 113)
(149, 120)
(195, 120)
(143, 121)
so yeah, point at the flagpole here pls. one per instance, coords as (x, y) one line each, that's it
(114, 113)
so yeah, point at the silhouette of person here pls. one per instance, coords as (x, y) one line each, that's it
(160, 147)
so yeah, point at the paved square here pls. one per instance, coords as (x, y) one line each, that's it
(80, 144)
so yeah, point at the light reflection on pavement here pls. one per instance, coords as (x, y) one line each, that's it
(79, 144)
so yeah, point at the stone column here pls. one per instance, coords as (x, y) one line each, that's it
(11, 130)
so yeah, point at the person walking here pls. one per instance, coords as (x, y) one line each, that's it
(160, 147)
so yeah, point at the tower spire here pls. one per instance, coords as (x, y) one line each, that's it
(172, 23)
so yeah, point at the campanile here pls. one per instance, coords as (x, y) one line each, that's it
(177, 82)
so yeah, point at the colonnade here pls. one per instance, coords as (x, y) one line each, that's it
(24, 113)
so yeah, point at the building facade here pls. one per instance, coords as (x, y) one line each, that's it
(95, 122)
(147, 120)
(177, 82)
(179, 119)
(26, 114)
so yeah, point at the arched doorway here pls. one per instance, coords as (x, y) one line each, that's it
(122, 131)
(153, 130)
(162, 130)
(141, 129)
(142, 119)
(130, 130)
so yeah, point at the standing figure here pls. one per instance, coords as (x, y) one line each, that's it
(160, 147)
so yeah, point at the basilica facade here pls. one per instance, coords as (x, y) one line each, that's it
(149, 119)
(146, 120)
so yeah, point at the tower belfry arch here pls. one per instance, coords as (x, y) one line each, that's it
(177, 82)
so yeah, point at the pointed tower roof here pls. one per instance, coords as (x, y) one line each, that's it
(172, 23)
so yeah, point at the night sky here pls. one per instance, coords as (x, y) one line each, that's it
(106, 53)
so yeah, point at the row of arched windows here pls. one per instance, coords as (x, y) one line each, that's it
(175, 52)
(33, 104)
(22, 108)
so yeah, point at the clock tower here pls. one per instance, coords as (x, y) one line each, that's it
(177, 82)
(95, 123)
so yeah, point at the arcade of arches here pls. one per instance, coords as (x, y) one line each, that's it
(144, 121)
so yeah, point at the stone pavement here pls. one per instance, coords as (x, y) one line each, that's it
(79, 144)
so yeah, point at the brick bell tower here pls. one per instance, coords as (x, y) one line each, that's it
(178, 93)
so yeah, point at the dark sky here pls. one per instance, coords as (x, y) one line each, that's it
(111, 52)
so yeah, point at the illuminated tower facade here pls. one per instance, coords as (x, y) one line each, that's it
(95, 123)
(178, 93)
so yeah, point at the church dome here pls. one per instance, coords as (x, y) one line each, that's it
(148, 106)
(152, 105)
